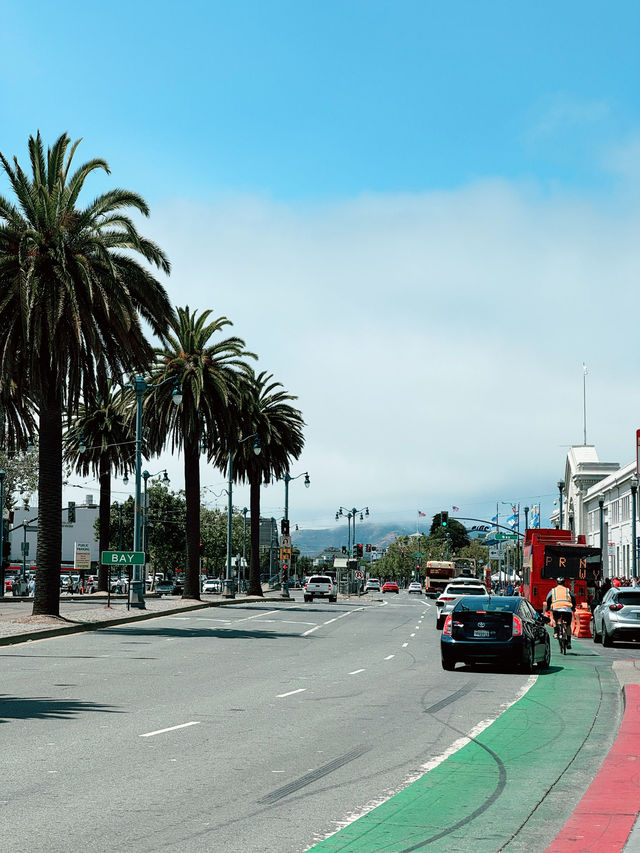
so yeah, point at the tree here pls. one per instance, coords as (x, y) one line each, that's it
(266, 413)
(106, 433)
(457, 532)
(209, 374)
(73, 296)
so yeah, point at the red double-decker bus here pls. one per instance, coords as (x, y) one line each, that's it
(550, 554)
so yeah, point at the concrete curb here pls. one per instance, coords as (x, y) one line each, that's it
(81, 627)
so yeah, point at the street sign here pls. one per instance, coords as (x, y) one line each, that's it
(122, 558)
(500, 537)
(81, 556)
(359, 575)
(285, 553)
(24, 547)
(285, 541)
(418, 555)
(31, 528)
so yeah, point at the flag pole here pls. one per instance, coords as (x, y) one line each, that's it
(584, 399)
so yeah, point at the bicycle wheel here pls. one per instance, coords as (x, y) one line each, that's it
(562, 639)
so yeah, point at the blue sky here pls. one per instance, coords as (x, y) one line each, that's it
(415, 212)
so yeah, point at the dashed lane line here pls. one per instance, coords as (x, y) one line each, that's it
(291, 693)
(172, 728)
(356, 671)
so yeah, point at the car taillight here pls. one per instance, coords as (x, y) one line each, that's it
(616, 606)
(447, 626)
(516, 629)
(447, 598)
(305, 586)
(329, 587)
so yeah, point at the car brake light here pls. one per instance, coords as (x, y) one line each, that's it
(447, 598)
(516, 629)
(616, 606)
(329, 587)
(447, 626)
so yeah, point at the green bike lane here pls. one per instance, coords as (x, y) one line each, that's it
(512, 786)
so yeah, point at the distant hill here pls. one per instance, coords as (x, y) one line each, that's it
(313, 542)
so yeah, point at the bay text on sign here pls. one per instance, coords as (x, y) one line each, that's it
(123, 558)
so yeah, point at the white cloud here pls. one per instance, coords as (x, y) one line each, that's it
(435, 342)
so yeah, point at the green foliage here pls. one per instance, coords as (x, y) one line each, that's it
(22, 474)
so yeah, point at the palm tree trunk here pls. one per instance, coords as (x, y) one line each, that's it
(192, 500)
(255, 587)
(49, 556)
(104, 523)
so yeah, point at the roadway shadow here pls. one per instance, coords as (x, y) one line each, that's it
(44, 708)
(191, 633)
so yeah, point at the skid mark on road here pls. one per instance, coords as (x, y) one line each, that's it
(313, 776)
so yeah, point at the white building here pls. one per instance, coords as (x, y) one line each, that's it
(25, 529)
(599, 499)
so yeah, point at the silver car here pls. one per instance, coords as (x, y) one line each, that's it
(617, 617)
(450, 597)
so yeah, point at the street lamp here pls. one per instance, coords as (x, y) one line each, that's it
(257, 447)
(244, 541)
(140, 385)
(602, 549)
(351, 514)
(287, 479)
(145, 532)
(560, 490)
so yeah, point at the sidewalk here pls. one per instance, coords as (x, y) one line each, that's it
(90, 612)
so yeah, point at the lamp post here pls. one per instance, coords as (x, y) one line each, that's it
(244, 541)
(634, 545)
(3, 475)
(526, 518)
(140, 385)
(146, 476)
(602, 548)
(560, 490)
(338, 515)
(285, 532)
(230, 593)
(351, 513)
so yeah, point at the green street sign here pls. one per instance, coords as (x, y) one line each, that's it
(123, 558)
(500, 537)
(418, 555)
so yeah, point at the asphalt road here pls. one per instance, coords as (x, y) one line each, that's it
(257, 728)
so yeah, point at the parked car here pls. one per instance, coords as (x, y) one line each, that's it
(495, 629)
(390, 586)
(617, 617)
(165, 587)
(452, 592)
(415, 587)
(372, 585)
(212, 585)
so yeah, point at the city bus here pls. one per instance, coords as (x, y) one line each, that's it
(438, 573)
(467, 566)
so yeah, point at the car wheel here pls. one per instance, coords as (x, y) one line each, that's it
(594, 632)
(546, 660)
(448, 664)
(397, 592)
(333, 600)
(528, 658)
(607, 639)
(307, 598)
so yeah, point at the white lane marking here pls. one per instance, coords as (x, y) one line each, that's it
(181, 618)
(356, 671)
(291, 693)
(329, 621)
(404, 645)
(388, 657)
(431, 764)
(417, 626)
(412, 635)
(171, 728)
(257, 616)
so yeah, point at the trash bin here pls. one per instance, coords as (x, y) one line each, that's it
(229, 588)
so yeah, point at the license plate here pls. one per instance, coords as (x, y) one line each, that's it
(482, 633)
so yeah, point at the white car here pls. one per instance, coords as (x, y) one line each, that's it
(372, 585)
(452, 594)
(415, 587)
(212, 585)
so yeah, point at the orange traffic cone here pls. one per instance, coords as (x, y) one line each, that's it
(582, 624)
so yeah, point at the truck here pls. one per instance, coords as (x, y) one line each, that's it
(550, 554)
(320, 586)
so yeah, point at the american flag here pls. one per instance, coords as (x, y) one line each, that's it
(455, 508)
(421, 514)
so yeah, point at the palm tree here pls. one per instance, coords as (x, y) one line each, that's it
(106, 433)
(209, 374)
(266, 412)
(72, 297)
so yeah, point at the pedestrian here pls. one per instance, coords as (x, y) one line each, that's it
(31, 587)
(616, 582)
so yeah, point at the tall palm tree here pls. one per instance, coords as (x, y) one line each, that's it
(72, 297)
(106, 432)
(209, 373)
(267, 413)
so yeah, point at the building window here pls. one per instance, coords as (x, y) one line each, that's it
(615, 512)
(626, 513)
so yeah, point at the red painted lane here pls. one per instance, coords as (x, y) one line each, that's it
(605, 816)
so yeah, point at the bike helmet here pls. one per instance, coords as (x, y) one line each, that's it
(560, 580)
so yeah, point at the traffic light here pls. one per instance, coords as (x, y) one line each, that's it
(344, 549)
(71, 510)
(367, 548)
(444, 517)
(284, 527)
(201, 549)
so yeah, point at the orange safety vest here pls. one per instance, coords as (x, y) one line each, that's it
(561, 598)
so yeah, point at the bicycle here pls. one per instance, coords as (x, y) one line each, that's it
(563, 635)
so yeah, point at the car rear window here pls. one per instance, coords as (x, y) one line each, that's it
(319, 579)
(466, 590)
(492, 604)
(629, 597)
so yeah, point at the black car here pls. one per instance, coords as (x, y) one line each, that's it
(495, 629)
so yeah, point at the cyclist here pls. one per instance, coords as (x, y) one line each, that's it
(561, 602)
